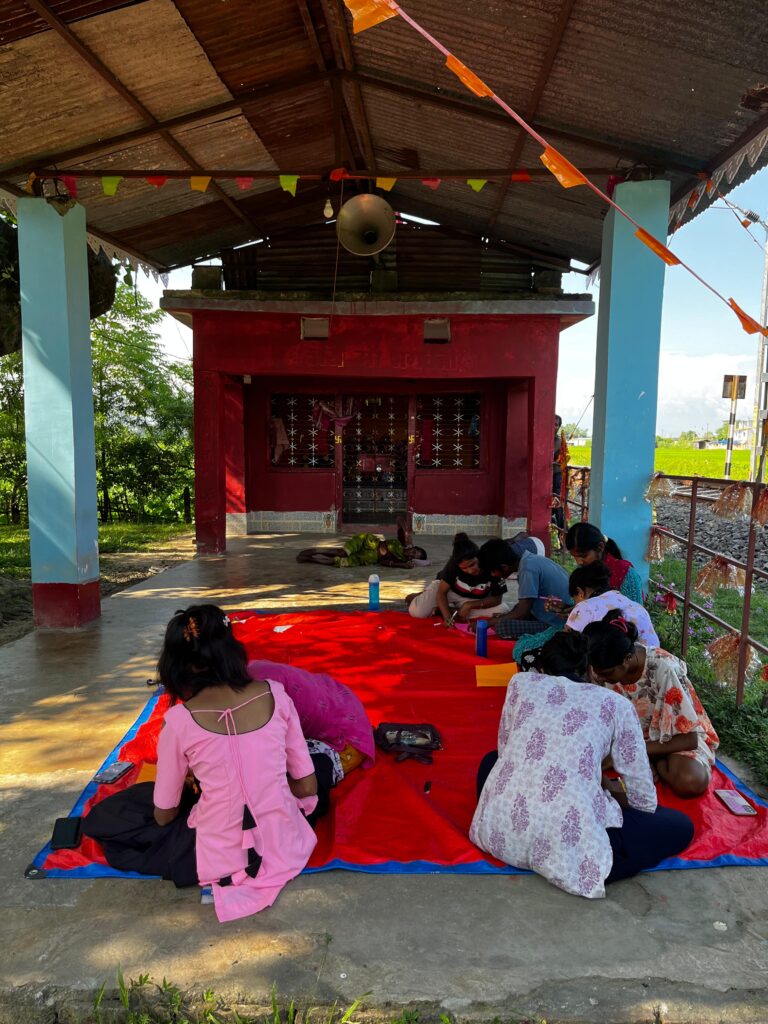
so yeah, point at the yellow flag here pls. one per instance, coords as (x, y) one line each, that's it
(288, 183)
(386, 183)
(109, 184)
(477, 184)
(199, 182)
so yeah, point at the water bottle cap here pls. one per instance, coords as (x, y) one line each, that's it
(373, 578)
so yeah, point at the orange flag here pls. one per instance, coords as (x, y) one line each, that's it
(199, 182)
(467, 77)
(563, 169)
(750, 326)
(367, 13)
(656, 246)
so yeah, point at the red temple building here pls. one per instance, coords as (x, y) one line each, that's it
(314, 415)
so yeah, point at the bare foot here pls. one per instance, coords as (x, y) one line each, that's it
(408, 599)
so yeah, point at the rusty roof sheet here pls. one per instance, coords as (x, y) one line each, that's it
(647, 81)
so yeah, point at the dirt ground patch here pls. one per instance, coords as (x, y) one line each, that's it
(118, 570)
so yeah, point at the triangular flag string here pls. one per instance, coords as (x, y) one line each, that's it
(109, 184)
(566, 173)
(288, 183)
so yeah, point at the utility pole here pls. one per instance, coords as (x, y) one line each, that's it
(761, 377)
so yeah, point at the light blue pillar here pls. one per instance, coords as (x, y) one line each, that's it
(58, 404)
(627, 369)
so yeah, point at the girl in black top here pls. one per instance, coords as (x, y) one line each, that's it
(462, 589)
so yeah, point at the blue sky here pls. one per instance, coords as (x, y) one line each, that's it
(701, 340)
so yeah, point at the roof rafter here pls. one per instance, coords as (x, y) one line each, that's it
(532, 109)
(279, 86)
(651, 155)
(96, 64)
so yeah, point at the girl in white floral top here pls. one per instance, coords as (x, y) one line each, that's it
(593, 598)
(679, 737)
(544, 803)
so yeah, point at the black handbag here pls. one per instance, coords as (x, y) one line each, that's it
(408, 741)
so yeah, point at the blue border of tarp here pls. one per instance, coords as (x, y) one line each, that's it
(388, 867)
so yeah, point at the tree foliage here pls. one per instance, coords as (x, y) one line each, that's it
(142, 404)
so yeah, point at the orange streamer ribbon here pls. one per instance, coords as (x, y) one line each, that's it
(656, 246)
(566, 173)
(750, 326)
(472, 81)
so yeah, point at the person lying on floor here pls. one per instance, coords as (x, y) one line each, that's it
(462, 589)
(248, 834)
(367, 549)
(679, 737)
(329, 712)
(543, 801)
(538, 579)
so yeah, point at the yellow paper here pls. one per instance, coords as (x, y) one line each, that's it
(656, 246)
(147, 773)
(386, 183)
(367, 13)
(288, 183)
(477, 184)
(495, 675)
(566, 173)
(472, 81)
(199, 183)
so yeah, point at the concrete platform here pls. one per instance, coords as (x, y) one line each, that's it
(674, 946)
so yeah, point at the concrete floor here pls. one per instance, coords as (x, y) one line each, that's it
(692, 945)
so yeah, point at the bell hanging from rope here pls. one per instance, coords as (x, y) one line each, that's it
(365, 225)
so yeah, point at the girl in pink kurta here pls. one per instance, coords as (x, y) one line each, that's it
(242, 741)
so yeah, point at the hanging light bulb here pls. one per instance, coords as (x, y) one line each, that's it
(328, 209)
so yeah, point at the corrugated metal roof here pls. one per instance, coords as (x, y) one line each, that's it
(651, 81)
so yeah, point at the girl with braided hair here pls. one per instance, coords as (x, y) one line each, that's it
(679, 738)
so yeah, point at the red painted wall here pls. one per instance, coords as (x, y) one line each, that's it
(511, 360)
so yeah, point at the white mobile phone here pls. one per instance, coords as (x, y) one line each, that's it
(735, 802)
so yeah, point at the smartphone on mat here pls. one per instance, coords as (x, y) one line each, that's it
(735, 802)
(113, 771)
(66, 833)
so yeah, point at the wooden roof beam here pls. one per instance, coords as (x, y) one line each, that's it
(532, 109)
(679, 162)
(100, 68)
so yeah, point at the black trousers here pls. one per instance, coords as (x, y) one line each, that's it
(125, 825)
(643, 841)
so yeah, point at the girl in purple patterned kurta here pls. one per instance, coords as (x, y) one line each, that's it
(545, 804)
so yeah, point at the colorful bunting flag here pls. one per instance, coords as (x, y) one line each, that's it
(158, 180)
(474, 83)
(563, 169)
(693, 198)
(199, 182)
(477, 184)
(244, 183)
(520, 176)
(386, 183)
(339, 173)
(70, 183)
(367, 13)
(288, 183)
(109, 184)
(432, 183)
(656, 246)
(30, 179)
(750, 326)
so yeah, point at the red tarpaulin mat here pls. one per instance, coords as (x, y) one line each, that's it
(406, 817)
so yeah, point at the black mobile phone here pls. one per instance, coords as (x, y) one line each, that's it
(113, 772)
(66, 833)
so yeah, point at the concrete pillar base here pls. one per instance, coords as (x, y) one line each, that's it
(65, 605)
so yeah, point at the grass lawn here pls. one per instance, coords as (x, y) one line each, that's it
(682, 461)
(113, 538)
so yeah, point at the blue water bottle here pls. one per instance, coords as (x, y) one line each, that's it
(373, 593)
(481, 638)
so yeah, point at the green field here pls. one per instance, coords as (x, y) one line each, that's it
(682, 461)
